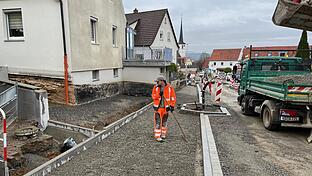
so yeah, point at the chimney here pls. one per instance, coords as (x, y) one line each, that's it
(135, 10)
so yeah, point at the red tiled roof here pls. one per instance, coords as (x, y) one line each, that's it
(277, 51)
(225, 54)
(148, 26)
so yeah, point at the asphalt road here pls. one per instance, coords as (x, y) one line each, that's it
(245, 147)
(133, 151)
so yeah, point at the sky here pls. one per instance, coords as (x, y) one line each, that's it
(213, 24)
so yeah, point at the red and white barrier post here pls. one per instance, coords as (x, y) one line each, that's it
(218, 92)
(5, 152)
(232, 81)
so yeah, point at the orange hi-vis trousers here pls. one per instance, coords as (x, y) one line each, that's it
(160, 123)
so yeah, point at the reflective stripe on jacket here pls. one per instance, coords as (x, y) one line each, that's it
(168, 94)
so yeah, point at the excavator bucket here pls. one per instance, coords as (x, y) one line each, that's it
(293, 15)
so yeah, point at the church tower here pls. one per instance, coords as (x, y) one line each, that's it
(182, 44)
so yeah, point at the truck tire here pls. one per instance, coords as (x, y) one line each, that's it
(269, 118)
(246, 109)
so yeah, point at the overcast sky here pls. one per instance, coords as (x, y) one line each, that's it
(210, 24)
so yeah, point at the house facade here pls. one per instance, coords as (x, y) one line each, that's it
(55, 43)
(223, 58)
(151, 46)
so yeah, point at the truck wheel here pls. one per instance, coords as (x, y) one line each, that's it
(267, 119)
(246, 110)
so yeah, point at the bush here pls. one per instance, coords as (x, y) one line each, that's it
(227, 70)
(172, 68)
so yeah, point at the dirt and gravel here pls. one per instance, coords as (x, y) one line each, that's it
(246, 148)
(98, 114)
(133, 151)
(95, 115)
(27, 153)
(298, 79)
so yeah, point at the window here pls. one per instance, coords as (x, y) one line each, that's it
(168, 37)
(114, 36)
(157, 54)
(231, 63)
(162, 70)
(130, 43)
(93, 22)
(139, 56)
(14, 21)
(161, 35)
(95, 75)
(269, 53)
(222, 63)
(282, 53)
(115, 72)
(165, 20)
(215, 63)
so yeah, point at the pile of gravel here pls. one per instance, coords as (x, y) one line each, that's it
(297, 79)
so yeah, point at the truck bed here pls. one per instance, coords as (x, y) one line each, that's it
(290, 88)
(298, 79)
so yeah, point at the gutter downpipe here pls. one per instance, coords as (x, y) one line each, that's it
(65, 54)
(127, 25)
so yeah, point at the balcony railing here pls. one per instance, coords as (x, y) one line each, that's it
(145, 53)
(147, 63)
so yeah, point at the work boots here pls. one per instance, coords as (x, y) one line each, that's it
(159, 140)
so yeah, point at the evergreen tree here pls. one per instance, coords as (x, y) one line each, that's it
(303, 48)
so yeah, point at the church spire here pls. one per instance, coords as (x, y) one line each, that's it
(181, 41)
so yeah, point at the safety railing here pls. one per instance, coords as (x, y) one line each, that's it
(4, 140)
(9, 103)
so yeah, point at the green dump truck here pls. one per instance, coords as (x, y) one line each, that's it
(279, 89)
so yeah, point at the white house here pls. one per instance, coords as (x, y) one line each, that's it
(223, 58)
(72, 48)
(151, 44)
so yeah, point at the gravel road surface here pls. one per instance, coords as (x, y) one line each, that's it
(246, 148)
(133, 151)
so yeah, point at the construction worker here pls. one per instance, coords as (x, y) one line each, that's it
(164, 101)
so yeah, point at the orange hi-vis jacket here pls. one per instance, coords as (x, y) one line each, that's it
(169, 95)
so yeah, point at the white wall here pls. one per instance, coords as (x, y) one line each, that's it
(158, 43)
(41, 52)
(105, 76)
(182, 50)
(142, 74)
(226, 64)
(102, 55)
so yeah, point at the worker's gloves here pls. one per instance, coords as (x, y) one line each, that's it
(168, 109)
(161, 93)
(171, 108)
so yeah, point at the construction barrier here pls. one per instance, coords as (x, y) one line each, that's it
(4, 139)
(218, 92)
(210, 88)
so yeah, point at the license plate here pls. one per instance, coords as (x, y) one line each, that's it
(289, 119)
